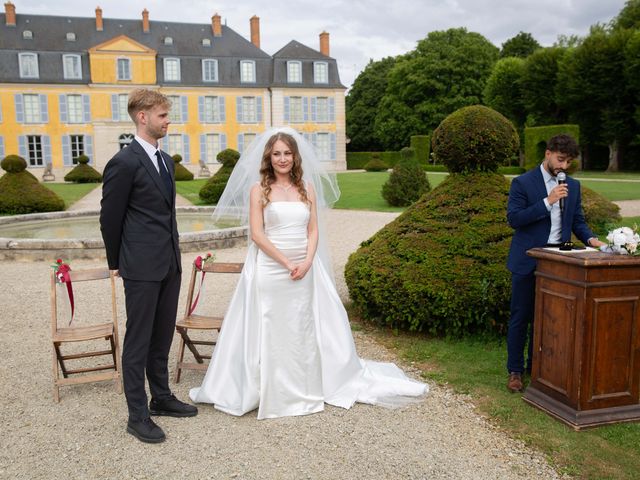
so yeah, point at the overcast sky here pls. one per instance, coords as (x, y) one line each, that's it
(359, 29)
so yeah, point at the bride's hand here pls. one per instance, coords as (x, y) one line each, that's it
(300, 270)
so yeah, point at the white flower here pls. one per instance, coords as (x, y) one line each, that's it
(619, 239)
(632, 247)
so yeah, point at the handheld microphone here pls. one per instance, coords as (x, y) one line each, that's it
(562, 180)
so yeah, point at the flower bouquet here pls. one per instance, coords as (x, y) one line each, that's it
(623, 241)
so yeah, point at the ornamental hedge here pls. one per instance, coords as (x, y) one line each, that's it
(376, 164)
(181, 172)
(83, 172)
(407, 181)
(212, 190)
(536, 138)
(599, 212)
(21, 192)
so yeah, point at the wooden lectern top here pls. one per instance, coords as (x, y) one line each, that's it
(586, 258)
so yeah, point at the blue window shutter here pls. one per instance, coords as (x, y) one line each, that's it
(223, 141)
(203, 148)
(222, 112)
(2, 147)
(314, 140)
(201, 109)
(313, 109)
(333, 145)
(66, 150)
(115, 108)
(185, 147)
(305, 108)
(46, 148)
(164, 144)
(19, 108)
(259, 108)
(240, 142)
(239, 109)
(286, 109)
(86, 109)
(185, 111)
(63, 108)
(332, 109)
(88, 147)
(44, 109)
(22, 147)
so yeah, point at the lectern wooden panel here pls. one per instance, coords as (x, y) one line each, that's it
(586, 343)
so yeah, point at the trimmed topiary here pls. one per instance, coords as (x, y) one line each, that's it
(83, 172)
(375, 164)
(407, 182)
(212, 190)
(20, 191)
(474, 138)
(599, 212)
(181, 173)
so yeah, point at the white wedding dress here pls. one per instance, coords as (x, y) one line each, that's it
(285, 346)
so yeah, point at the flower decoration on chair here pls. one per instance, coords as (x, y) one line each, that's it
(623, 241)
(200, 262)
(61, 271)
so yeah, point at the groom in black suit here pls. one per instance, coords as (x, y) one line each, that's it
(138, 225)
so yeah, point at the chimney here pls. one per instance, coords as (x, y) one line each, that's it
(216, 26)
(98, 19)
(255, 30)
(145, 21)
(10, 14)
(324, 43)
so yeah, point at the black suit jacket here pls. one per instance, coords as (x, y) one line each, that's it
(138, 216)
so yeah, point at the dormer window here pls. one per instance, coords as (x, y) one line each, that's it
(206, 42)
(28, 63)
(71, 37)
(168, 40)
(320, 72)
(172, 69)
(27, 35)
(247, 71)
(294, 71)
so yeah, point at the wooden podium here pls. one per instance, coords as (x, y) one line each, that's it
(586, 342)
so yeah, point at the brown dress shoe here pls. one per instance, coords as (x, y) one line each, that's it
(514, 384)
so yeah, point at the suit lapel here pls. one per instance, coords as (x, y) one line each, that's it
(151, 169)
(541, 188)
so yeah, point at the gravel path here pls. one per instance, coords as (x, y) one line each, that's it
(84, 436)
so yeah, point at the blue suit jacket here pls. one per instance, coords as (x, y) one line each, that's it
(528, 215)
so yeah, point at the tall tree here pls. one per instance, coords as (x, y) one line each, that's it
(362, 104)
(522, 45)
(503, 91)
(632, 75)
(447, 70)
(593, 87)
(629, 16)
(539, 81)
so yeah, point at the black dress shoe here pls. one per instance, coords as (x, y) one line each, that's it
(146, 431)
(172, 407)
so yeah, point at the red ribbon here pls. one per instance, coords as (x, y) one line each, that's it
(62, 274)
(199, 263)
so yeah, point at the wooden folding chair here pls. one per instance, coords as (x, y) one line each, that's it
(76, 332)
(192, 321)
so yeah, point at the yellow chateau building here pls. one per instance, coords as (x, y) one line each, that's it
(64, 83)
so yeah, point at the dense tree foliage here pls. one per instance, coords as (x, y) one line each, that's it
(447, 70)
(629, 16)
(504, 93)
(522, 45)
(362, 104)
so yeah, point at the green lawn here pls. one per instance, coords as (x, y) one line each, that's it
(477, 367)
(612, 176)
(189, 189)
(71, 192)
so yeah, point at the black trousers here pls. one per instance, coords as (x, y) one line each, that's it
(151, 320)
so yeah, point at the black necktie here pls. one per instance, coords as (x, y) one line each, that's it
(164, 174)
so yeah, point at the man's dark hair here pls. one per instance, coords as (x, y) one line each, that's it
(564, 144)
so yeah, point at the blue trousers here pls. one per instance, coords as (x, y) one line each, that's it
(523, 292)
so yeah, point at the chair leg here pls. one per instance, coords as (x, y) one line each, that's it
(116, 363)
(176, 378)
(56, 376)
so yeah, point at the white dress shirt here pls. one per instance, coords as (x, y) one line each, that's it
(151, 152)
(550, 182)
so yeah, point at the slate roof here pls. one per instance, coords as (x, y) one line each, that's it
(49, 42)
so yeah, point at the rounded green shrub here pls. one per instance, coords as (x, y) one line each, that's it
(181, 172)
(440, 267)
(474, 138)
(407, 182)
(375, 164)
(599, 212)
(20, 191)
(212, 190)
(83, 172)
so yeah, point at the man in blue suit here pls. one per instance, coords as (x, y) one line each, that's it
(534, 213)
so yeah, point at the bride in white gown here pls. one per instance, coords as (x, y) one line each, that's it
(285, 346)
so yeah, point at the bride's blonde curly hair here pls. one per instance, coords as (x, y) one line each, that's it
(268, 176)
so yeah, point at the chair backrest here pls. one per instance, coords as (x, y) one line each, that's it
(208, 267)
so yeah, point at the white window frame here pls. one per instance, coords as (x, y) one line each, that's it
(72, 75)
(213, 144)
(25, 68)
(165, 63)
(323, 145)
(31, 108)
(71, 37)
(247, 67)
(211, 112)
(77, 147)
(175, 113)
(168, 40)
(125, 75)
(316, 72)
(249, 107)
(35, 150)
(294, 104)
(325, 102)
(75, 109)
(27, 35)
(292, 75)
(209, 61)
(123, 107)
(175, 144)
